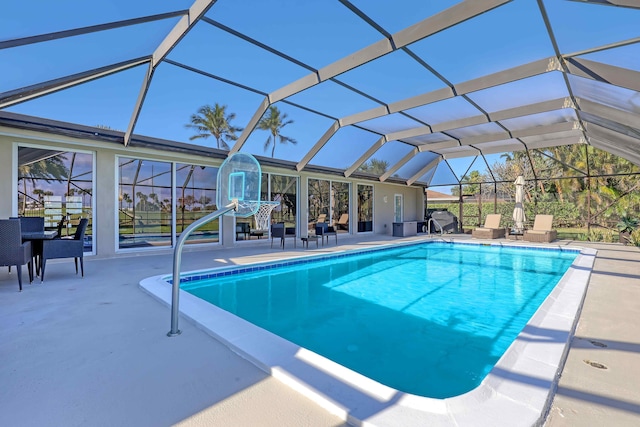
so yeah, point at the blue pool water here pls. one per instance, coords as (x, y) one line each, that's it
(429, 319)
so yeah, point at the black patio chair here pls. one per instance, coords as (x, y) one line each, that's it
(324, 230)
(65, 248)
(279, 231)
(243, 228)
(13, 251)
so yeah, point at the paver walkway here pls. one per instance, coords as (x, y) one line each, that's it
(608, 334)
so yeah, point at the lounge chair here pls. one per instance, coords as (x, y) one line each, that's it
(342, 223)
(491, 229)
(542, 231)
(321, 218)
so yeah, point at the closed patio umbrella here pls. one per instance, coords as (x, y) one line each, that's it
(518, 211)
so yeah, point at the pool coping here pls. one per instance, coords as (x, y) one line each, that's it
(517, 391)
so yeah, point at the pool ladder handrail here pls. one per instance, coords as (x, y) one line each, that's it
(436, 223)
(177, 258)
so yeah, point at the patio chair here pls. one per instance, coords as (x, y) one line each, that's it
(542, 231)
(243, 228)
(323, 230)
(279, 231)
(65, 248)
(491, 229)
(342, 223)
(13, 251)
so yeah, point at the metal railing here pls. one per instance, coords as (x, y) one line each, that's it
(177, 258)
(432, 220)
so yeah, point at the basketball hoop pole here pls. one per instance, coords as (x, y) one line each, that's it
(177, 258)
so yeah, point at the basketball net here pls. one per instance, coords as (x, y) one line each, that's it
(263, 214)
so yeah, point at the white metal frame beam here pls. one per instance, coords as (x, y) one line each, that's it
(525, 110)
(195, 13)
(434, 163)
(429, 26)
(8, 99)
(24, 41)
(605, 73)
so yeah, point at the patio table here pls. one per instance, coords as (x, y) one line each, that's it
(305, 240)
(36, 238)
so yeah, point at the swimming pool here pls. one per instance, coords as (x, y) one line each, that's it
(540, 345)
(429, 319)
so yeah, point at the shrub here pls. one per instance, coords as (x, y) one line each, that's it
(634, 239)
(600, 235)
(627, 224)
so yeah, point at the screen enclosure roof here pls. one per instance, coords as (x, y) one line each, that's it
(408, 84)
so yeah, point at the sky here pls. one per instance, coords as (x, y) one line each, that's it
(314, 36)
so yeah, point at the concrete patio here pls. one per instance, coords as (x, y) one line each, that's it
(94, 351)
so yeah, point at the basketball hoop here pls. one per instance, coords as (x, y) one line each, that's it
(263, 214)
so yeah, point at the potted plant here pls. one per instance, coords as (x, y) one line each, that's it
(626, 226)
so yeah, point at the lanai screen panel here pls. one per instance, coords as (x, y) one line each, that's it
(344, 148)
(333, 99)
(105, 102)
(574, 22)
(35, 63)
(540, 119)
(390, 123)
(219, 53)
(625, 57)
(606, 94)
(399, 14)
(392, 77)
(415, 165)
(389, 154)
(444, 111)
(305, 129)
(505, 37)
(168, 107)
(316, 34)
(342, 61)
(530, 90)
(50, 16)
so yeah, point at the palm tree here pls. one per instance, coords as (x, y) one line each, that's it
(214, 121)
(375, 167)
(48, 170)
(127, 199)
(273, 122)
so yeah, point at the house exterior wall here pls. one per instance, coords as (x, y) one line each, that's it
(105, 177)
(384, 206)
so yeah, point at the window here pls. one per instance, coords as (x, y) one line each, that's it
(397, 208)
(145, 203)
(196, 198)
(319, 202)
(283, 189)
(57, 184)
(329, 202)
(340, 206)
(365, 208)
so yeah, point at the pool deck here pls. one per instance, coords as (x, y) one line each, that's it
(94, 351)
